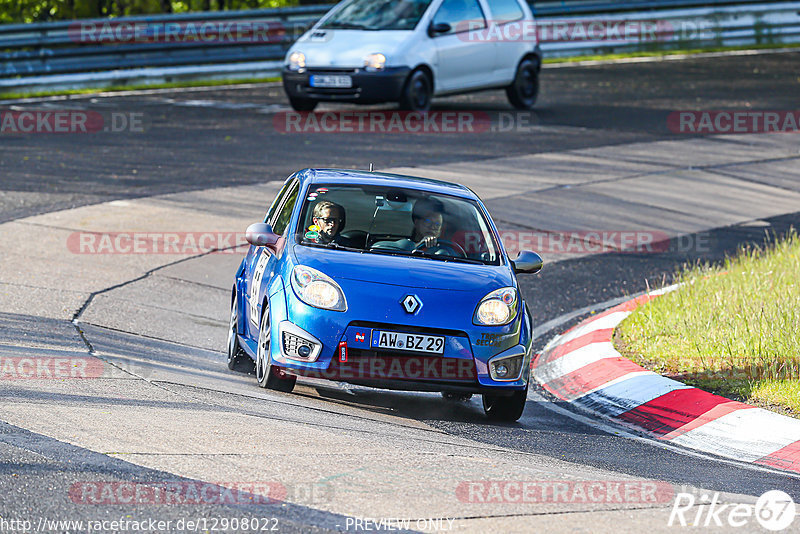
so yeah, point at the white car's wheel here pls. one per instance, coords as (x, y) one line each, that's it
(524, 90)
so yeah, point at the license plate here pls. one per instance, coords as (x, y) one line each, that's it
(409, 342)
(319, 80)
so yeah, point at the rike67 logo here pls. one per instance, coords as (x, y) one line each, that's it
(774, 511)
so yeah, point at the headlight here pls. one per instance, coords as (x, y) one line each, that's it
(297, 61)
(317, 289)
(497, 308)
(374, 62)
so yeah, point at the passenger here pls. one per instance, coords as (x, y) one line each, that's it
(330, 218)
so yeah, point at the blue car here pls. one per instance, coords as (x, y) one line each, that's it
(385, 281)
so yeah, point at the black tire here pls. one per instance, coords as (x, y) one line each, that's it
(417, 92)
(506, 409)
(236, 353)
(524, 90)
(267, 375)
(456, 397)
(303, 104)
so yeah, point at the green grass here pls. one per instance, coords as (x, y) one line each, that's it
(731, 329)
(115, 88)
(662, 53)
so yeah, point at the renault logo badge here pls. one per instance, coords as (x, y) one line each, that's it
(411, 303)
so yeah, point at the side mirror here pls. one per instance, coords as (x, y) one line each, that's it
(261, 235)
(527, 262)
(440, 27)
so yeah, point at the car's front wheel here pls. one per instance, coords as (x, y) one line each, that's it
(270, 376)
(303, 104)
(505, 408)
(236, 353)
(417, 93)
(524, 90)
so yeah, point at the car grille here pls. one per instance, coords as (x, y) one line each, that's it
(291, 344)
(331, 70)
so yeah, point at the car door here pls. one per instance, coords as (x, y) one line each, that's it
(263, 261)
(464, 60)
(513, 36)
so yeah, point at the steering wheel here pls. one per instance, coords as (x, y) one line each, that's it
(439, 242)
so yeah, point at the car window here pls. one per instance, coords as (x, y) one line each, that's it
(377, 15)
(285, 213)
(461, 15)
(277, 202)
(505, 10)
(381, 220)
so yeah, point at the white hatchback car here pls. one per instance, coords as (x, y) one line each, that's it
(408, 51)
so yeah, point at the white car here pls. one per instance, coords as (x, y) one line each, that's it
(408, 51)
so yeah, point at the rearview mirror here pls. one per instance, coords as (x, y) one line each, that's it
(527, 262)
(261, 235)
(439, 27)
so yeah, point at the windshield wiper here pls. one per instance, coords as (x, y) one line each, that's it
(390, 251)
(447, 257)
(332, 244)
(344, 25)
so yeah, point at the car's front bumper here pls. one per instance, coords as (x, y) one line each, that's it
(367, 87)
(463, 365)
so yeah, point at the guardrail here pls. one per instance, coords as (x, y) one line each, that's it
(97, 52)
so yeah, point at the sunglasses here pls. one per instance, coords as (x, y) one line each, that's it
(329, 220)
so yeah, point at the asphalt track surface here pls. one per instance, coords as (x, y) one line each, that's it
(196, 140)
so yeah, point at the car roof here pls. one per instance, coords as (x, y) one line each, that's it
(351, 176)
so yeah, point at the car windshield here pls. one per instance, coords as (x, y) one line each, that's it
(397, 221)
(378, 15)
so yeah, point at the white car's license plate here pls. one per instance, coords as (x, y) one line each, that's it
(412, 342)
(320, 80)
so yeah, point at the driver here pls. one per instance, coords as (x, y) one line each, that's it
(330, 218)
(427, 216)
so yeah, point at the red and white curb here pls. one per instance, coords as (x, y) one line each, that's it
(582, 367)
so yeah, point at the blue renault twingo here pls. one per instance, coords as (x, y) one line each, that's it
(386, 281)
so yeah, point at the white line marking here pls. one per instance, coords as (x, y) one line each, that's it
(574, 360)
(552, 324)
(739, 434)
(613, 429)
(670, 57)
(137, 92)
(611, 320)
